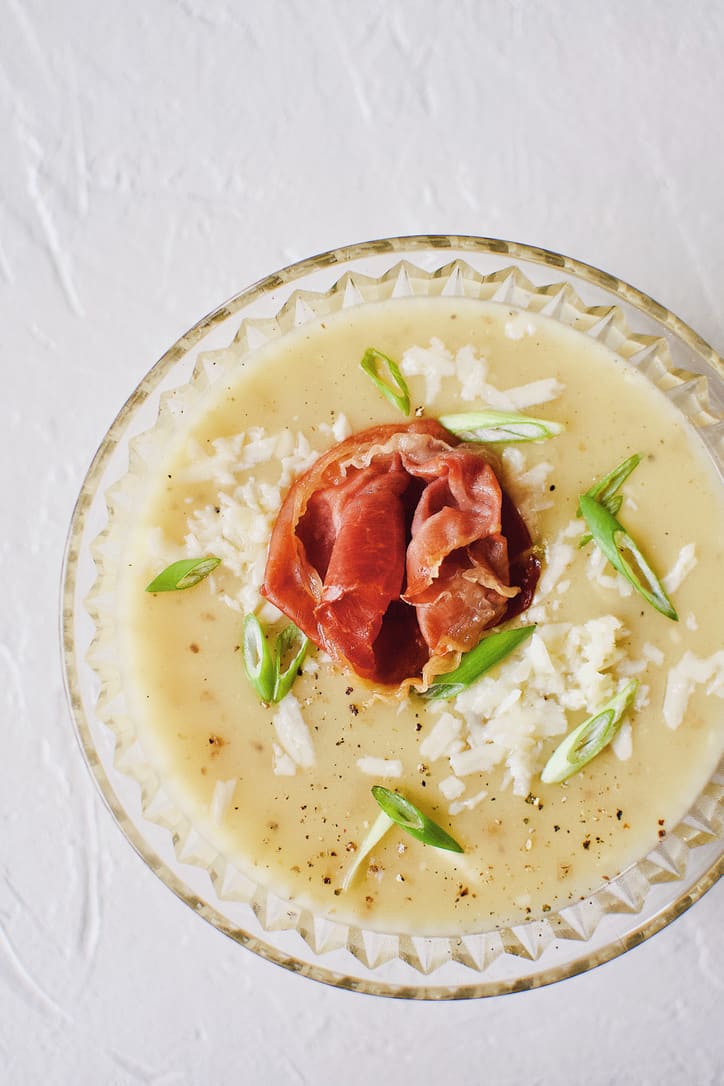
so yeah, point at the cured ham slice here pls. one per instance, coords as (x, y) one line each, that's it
(391, 551)
(366, 567)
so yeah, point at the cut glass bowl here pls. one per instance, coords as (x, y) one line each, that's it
(632, 907)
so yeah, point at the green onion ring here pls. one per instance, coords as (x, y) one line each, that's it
(183, 574)
(395, 390)
(486, 654)
(494, 427)
(411, 819)
(588, 740)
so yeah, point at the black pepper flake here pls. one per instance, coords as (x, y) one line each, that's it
(587, 843)
(354, 709)
(349, 690)
(619, 814)
(556, 829)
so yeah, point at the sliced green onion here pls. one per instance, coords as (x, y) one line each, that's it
(183, 574)
(615, 542)
(258, 661)
(284, 680)
(604, 490)
(411, 819)
(376, 832)
(497, 426)
(264, 670)
(589, 738)
(490, 651)
(395, 388)
(613, 505)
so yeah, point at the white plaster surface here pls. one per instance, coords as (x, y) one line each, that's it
(155, 157)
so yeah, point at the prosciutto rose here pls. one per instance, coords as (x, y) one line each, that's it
(397, 549)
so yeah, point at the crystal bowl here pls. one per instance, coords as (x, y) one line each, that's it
(635, 905)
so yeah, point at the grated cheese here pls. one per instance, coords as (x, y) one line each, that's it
(595, 566)
(380, 767)
(535, 392)
(682, 568)
(435, 362)
(514, 461)
(467, 804)
(293, 733)
(432, 363)
(535, 478)
(471, 372)
(691, 671)
(622, 742)
(237, 527)
(221, 799)
(282, 764)
(451, 787)
(443, 734)
(559, 556)
(653, 653)
(341, 427)
(506, 717)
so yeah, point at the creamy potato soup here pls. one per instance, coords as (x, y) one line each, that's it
(284, 790)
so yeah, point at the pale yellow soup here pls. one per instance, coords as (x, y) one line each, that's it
(201, 722)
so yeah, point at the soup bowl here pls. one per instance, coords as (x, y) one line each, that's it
(640, 900)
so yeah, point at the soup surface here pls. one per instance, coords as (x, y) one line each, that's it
(284, 790)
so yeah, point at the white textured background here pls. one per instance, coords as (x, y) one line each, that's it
(155, 157)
